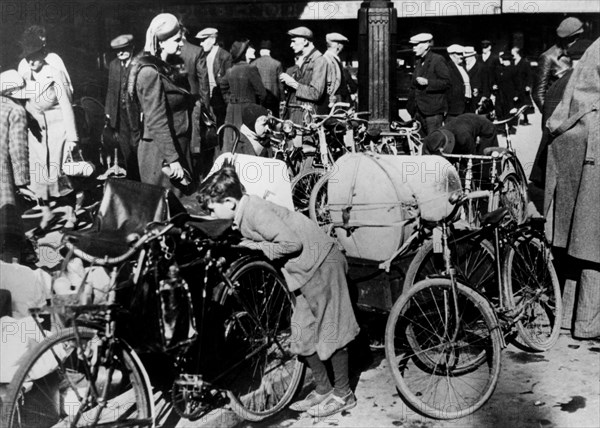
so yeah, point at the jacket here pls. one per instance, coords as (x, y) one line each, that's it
(221, 64)
(115, 92)
(269, 70)
(550, 65)
(455, 95)
(14, 153)
(312, 89)
(429, 99)
(573, 166)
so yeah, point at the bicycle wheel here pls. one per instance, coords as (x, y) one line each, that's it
(444, 376)
(63, 384)
(513, 196)
(532, 287)
(302, 186)
(473, 260)
(317, 206)
(264, 374)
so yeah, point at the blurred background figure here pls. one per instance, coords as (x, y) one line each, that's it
(478, 77)
(524, 82)
(505, 86)
(458, 95)
(269, 69)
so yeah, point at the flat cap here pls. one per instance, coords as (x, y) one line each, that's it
(13, 85)
(577, 49)
(469, 51)
(206, 33)
(336, 37)
(121, 42)
(301, 32)
(486, 42)
(421, 38)
(455, 49)
(569, 27)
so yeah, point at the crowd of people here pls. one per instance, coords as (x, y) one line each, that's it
(162, 102)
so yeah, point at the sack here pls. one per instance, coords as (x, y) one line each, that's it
(77, 168)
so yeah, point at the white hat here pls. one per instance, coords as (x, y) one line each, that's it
(420, 38)
(458, 49)
(14, 86)
(469, 51)
(206, 33)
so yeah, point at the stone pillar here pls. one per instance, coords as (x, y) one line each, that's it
(377, 60)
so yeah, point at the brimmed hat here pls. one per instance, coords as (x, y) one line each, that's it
(121, 42)
(420, 38)
(206, 33)
(569, 27)
(455, 49)
(265, 44)
(469, 51)
(238, 49)
(336, 37)
(577, 49)
(31, 42)
(506, 55)
(252, 112)
(301, 32)
(13, 85)
(440, 140)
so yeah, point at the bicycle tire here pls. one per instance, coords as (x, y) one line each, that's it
(513, 196)
(302, 186)
(529, 274)
(472, 259)
(448, 390)
(60, 395)
(317, 207)
(260, 326)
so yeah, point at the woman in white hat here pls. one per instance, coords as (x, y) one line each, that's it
(52, 131)
(164, 155)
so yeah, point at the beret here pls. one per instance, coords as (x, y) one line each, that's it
(207, 32)
(336, 37)
(122, 41)
(455, 49)
(469, 51)
(577, 49)
(420, 38)
(301, 32)
(569, 27)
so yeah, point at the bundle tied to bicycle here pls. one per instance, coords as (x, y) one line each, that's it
(372, 222)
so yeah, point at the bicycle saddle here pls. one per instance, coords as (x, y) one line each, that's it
(494, 217)
(488, 151)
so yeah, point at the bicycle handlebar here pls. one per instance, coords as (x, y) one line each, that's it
(518, 113)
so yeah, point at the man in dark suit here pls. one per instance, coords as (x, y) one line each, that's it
(458, 94)
(218, 61)
(478, 76)
(193, 59)
(524, 81)
(431, 79)
(490, 61)
(116, 99)
(269, 70)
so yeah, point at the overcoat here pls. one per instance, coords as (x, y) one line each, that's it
(312, 77)
(573, 166)
(479, 78)
(429, 99)
(269, 70)
(221, 64)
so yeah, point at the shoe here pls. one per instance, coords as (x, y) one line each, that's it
(332, 405)
(312, 399)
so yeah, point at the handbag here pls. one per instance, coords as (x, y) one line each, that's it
(77, 168)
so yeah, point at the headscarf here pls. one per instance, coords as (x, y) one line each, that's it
(163, 26)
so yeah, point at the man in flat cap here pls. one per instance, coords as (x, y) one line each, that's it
(14, 161)
(554, 61)
(218, 61)
(308, 83)
(459, 92)
(478, 76)
(116, 104)
(337, 85)
(427, 94)
(269, 69)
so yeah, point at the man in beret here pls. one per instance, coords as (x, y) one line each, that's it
(337, 75)
(269, 69)
(14, 161)
(431, 78)
(308, 83)
(554, 61)
(218, 61)
(459, 93)
(116, 104)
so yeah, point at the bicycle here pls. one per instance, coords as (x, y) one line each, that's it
(444, 338)
(403, 138)
(150, 308)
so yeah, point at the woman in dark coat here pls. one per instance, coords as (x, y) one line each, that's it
(241, 86)
(164, 149)
(505, 86)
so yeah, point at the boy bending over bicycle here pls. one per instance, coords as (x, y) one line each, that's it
(323, 321)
